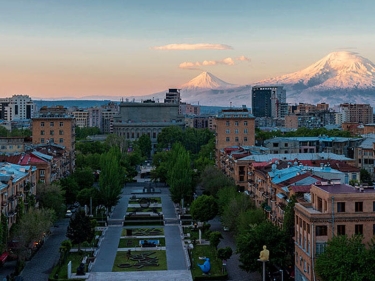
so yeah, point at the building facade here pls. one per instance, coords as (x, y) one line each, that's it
(267, 100)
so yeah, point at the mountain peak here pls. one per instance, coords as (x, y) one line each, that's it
(336, 70)
(206, 80)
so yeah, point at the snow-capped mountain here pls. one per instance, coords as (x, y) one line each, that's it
(337, 78)
(206, 80)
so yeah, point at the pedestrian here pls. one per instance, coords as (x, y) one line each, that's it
(129, 254)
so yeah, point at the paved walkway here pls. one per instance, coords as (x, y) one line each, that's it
(40, 266)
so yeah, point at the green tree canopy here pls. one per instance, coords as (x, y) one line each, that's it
(224, 253)
(345, 259)
(80, 229)
(212, 180)
(111, 178)
(179, 174)
(82, 133)
(204, 208)
(145, 146)
(215, 237)
(51, 196)
(250, 244)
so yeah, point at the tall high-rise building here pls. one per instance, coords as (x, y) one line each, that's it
(173, 96)
(267, 101)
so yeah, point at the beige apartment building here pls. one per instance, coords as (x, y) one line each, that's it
(55, 125)
(332, 209)
(234, 127)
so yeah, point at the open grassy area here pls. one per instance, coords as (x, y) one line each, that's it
(129, 243)
(75, 258)
(150, 209)
(144, 231)
(133, 265)
(209, 252)
(154, 199)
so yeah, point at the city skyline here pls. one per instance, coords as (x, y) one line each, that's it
(129, 48)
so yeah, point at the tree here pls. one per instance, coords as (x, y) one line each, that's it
(250, 244)
(145, 146)
(169, 136)
(52, 197)
(365, 176)
(212, 180)
(224, 253)
(70, 188)
(179, 175)
(31, 227)
(84, 177)
(204, 208)
(237, 205)
(249, 218)
(214, 238)
(345, 259)
(84, 195)
(111, 178)
(80, 229)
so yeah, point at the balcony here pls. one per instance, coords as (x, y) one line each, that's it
(11, 199)
(266, 195)
(4, 204)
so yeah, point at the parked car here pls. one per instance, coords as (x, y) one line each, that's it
(68, 214)
(225, 228)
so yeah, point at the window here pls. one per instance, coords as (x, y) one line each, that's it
(227, 123)
(42, 140)
(61, 132)
(341, 230)
(245, 131)
(286, 144)
(61, 124)
(154, 135)
(61, 140)
(373, 206)
(236, 131)
(340, 207)
(42, 172)
(359, 206)
(52, 140)
(227, 139)
(373, 229)
(320, 247)
(42, 132)
(236, 139)
(245, 139)
(51, 132)
(52, 124)
(227, 131)
(245, 123)
(321, 230)
(358, 229)
(41, 124)
(235, 123)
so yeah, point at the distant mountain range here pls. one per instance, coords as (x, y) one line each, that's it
(339, 77)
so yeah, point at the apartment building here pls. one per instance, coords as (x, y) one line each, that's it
(361, 113)
(16, 183)
(331, 209)
(12, 144)
(55, 125)
(81, 117)
(18, 107)
(234, 127)
(266, 101)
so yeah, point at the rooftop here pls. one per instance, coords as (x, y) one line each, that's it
(343, 188)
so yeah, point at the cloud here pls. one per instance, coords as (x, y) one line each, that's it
(243, 58)
(200, 46)
(226, 61)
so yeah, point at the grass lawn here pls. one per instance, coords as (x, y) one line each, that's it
(121, 258)
(209, 252)
(129, 243)
(76, 259)
(135, 201)
(145, 231)
(194, 233)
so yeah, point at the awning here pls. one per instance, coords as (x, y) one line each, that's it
(4, 257)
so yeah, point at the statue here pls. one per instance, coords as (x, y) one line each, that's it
(264, 254)
(81, 269)
(206, 266)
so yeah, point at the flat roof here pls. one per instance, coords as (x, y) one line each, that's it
(344, 188)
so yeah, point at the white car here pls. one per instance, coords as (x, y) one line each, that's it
(225, 228)
(68, 214)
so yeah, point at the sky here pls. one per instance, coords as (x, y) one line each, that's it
(54, 49)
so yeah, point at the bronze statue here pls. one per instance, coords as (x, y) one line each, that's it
(264, 254)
